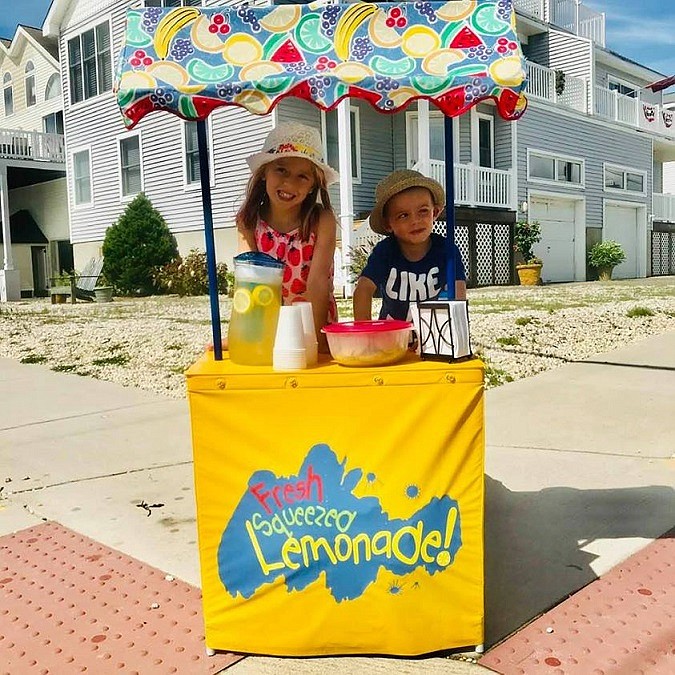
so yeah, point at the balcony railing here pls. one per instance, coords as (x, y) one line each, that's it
(571, 91)
(18, 144)
(634, 111)
(476, 185)
(567, 14)
(663, 206)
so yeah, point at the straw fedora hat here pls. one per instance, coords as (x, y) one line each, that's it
(396, 182)
(292, 139)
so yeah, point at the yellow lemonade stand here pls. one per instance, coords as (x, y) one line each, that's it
(351, 522)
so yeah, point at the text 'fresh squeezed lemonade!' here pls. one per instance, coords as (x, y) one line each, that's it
(255, 313)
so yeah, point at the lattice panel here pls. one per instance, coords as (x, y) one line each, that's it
(663, 253)
(462, 241)
(484, 254)
(502, 261)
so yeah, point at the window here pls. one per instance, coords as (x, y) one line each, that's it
(173, 3)
(436, 137)
(485, 142)
(82, 177)
(8, 94)
(53, 88)
(621, 88)
(30, 84)
(53, 124)
(330, 120)
(617, 178)
(555, 169)
(192, 152)
(89, 63)
(130, 165)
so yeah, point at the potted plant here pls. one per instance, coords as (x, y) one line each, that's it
(527, 234)
(605, 256)
(103, 291)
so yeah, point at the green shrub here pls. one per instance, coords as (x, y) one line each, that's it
(135, 246)
(189, 275)
(358, 259)
(527, 234)
(606, 254)
(510, 341)
(524, 320)
(635, 312)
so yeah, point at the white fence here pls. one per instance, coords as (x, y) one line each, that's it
(18, 144)
(541, 83)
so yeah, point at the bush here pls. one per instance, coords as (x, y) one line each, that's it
(189, 276)
(135, 246)
(527, 234)
(606, 254)
(358, 259)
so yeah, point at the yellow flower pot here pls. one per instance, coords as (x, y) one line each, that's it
(529, 275)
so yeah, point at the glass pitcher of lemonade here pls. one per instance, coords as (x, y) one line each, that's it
(255, 308)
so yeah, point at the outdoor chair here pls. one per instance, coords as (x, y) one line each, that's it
(81, 286)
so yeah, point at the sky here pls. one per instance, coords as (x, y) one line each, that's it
(642, 31)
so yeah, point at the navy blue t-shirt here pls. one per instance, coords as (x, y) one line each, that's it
(401, 281)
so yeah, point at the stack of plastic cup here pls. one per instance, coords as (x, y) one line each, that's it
(289, 344)
(311, 345)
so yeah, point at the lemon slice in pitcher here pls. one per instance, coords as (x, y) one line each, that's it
(242, 302)
(262, 295)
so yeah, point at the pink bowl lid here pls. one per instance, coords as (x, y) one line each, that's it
(379, 326)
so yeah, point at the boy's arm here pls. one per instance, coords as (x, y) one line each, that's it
(363, 299)
(460, 289)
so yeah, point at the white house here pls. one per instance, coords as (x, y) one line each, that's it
(587, 159)
(35, 227)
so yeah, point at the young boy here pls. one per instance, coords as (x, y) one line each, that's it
(410, 264)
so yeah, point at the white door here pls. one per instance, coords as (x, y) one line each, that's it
(556, 248)
(621, 224)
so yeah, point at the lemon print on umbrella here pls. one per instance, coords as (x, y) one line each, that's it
(281, 19)
(242, 301)
(381, 34)
(309, 37)
(508, 72)
(418, 41)
(486, 21)
(241, 49)
(456, 9)
(262, 295)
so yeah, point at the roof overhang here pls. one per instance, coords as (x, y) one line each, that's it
(52, 23)
(610, 58)
(22, 36)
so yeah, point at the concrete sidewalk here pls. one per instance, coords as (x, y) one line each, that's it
(579, 476)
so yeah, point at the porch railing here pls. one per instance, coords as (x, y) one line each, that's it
(19, 144)
(663, 207)
(541, 83)
(477, 185)
(567, 14)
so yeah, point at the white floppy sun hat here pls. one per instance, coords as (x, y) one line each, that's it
(292, 139)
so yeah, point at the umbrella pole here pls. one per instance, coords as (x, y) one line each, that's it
(205, 178)
(449, 204)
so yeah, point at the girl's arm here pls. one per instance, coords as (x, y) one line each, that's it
(319, 281)
(363, 299)
(245, 239)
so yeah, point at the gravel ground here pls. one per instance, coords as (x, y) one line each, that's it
(518, 331)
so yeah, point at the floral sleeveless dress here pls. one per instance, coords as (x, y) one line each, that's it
(297, 256)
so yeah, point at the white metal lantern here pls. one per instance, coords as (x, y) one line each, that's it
(442, 328)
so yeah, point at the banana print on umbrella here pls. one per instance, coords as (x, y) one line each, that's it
(170, 26)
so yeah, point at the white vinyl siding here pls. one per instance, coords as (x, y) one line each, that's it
(81, 167)
(131, 165)
(90, 63)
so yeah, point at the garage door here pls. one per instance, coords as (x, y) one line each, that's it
(556, 248)
(621, 224)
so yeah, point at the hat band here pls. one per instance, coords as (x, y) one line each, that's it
(296, 147)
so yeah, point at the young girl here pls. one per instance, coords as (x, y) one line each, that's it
(287, 214)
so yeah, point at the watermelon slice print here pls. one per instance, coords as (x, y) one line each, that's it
(465, 38)
(287, 53)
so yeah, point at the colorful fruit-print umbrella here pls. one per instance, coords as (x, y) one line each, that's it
(190, 61)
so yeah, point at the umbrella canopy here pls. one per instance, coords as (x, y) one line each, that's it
(191, 60)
